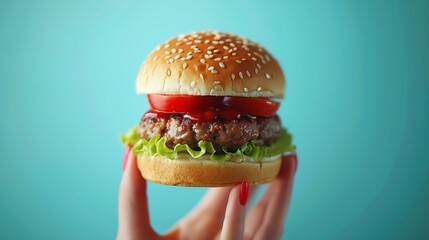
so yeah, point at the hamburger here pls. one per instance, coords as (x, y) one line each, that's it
(213, 119)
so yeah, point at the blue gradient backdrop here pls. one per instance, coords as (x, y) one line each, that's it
(357, 103)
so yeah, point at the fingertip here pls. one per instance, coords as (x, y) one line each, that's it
(289, 165)
(132, 178)
(126, 155)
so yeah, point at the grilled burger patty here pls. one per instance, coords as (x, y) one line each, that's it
(222, 133)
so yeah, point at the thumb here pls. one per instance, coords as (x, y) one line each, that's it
(133, 211)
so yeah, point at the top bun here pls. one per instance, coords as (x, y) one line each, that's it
(211, 63)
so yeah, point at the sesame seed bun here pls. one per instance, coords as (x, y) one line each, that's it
(211, 63)
(206, 173)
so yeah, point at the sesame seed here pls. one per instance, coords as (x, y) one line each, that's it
(232, 76)
(230, 50)
(189, 53)
(193, 83)
(171, 60)
(180, 50)
(197, 50)
(197, 41)
(166, 45)
(237, 61)
(173, 50)
(210, 68)
(245, 89)
(210, 48)
(216, 82)
(206, 41)
(201, 76)
(177, 57)
(168, 72)
(179, 43)
(193, 46)
(267, 57)
(215, 42)
(166, 62)
(216, 50)
(259, 89)
(248, 73)
(167, 57)
(202, 60)
(185, 65)
(225, 57)
(218, 59)
(208, 56)
(256, 70)
(241, 75)
(235, 49)
(232, 44)
(267, 75)
(254, 59)
(259, 55)
(225, 47)
(156, 58)
(188, 43)
(243, 59)
(167, 52)
(183, 59)
(234, 53)
(221, 65)
(259, 66)
(221, 42)
(263, 61)
(209, 52)
(189, 57)
(249, 54)
(214, 71)
(228, 40)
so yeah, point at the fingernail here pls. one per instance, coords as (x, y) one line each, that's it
(244, 193)
(127, 152)
(296, 162)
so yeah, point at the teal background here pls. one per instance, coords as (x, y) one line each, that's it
(357, 103)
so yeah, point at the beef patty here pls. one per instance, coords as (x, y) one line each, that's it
(229, 134)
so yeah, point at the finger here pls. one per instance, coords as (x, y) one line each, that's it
(133, 209)
(233, 224)
(206, 219)
(215, 200)
(266, 219)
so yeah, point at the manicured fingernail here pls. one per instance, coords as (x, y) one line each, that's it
(127, 152)
(296, 162)
(244, 193)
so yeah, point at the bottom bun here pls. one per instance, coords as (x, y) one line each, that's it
(206, 173)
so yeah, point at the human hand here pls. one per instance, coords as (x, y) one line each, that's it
(221, 214)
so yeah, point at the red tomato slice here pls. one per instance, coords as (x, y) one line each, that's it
(182, 104)
(254, 106)
(226, 105)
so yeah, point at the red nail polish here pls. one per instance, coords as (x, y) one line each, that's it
(244, 193)
(296, 162)
(127, 152)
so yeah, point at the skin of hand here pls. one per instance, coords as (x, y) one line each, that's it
(219, 215)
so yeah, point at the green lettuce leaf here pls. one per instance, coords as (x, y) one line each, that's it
(156, 146)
